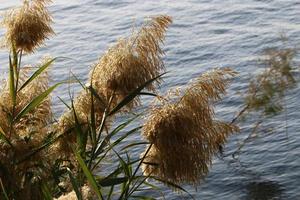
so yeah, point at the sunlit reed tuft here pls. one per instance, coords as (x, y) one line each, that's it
(185, 135)
(28, 26)
(131, 62)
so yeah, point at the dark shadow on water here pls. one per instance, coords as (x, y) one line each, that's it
(264, 190)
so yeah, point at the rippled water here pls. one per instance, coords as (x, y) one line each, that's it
(205, 34)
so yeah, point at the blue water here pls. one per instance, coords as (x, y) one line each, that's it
(205, 34)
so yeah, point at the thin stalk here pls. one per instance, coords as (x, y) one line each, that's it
(136, 170)
(102, 126)
(238, 150)
(18, 70)
(240, 114)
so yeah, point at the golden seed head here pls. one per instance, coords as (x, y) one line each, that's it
(131, 62)
(28, 26)
(185, 135)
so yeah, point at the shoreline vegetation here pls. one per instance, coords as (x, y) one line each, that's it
(46, 158)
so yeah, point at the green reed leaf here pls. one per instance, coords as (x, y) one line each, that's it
(37, 73)
(89, 175)
(133, 94)
(46, 191)
(12, 89)
(4, 138)
(36, 101)
(106, 182)
(75, 185)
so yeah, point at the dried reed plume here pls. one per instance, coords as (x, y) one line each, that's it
(131, 62)
(28, 26)
(184, 135)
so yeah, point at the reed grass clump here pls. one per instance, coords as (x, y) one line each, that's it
(122, 69)
(185, 134)
(45, 158)
(28, 26)
(67, 125)
(24, 135)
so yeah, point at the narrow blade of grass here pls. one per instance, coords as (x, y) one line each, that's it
(75, 185)
(3, 190)
(93, 122)
(80, 135)
(89, 175)
(46, 192)
(64, 102)
(106, 182)
(4, 138)
(105, 141)
(98, 97)
(37, 73)
(99, 151)
(132, 95)
(148, 94)
(12, 89)
(78, 80)
(134, 144)
(36, 101)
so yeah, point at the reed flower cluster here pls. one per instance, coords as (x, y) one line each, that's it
(28, 26)
(184, 135)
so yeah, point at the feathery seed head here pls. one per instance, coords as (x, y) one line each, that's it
(28, 26)
(184, 134)
(131, 62)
